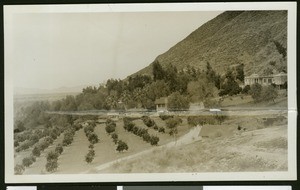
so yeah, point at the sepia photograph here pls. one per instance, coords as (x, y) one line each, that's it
(150, 92)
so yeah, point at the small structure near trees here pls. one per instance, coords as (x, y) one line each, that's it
(161, 104)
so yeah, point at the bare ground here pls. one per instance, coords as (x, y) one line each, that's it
(257, 150)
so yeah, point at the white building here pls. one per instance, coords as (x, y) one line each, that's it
(277, 79)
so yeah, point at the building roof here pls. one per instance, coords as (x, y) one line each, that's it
(253, 76)
(280, 74)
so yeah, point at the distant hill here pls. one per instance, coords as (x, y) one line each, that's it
(233, 37)
(61, 90)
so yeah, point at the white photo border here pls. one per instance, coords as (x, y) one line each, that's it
(291, 174)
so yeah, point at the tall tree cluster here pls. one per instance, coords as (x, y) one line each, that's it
(141, 91)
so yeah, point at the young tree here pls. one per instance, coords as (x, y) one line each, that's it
(172, 124)
(51, 166)
(90, 156)
(93, 138)
(52, 156)
(121, 146)
(91, 146)
(36, 151)
(28, 161)
(146, 137)
(154, 140)
(161, 130)
(148, 121)
(59, 149)
(114, 136)
(19, 169)
(110, 127)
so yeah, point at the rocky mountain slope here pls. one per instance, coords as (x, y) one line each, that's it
(233, 37)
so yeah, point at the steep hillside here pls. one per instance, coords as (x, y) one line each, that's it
(231, 38)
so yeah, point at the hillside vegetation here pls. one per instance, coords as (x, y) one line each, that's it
(235, 37)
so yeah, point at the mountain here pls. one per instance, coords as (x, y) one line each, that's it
(233, 37)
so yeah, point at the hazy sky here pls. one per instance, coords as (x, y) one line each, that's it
(53, 50)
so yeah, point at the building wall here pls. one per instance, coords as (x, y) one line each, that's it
(266, 80)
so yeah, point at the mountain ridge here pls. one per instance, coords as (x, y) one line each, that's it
(233, 37)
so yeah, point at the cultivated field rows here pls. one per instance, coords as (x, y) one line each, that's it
(240, 143)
